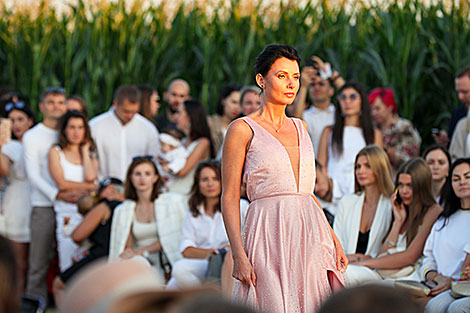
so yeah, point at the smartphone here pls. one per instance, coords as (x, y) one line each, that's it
(5, 130)
(429, 283)
(398, 199)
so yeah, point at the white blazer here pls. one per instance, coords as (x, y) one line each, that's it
(348, 220)
(170, 211)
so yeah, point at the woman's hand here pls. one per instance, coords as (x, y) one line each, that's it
(399, 211)
(443, 284)
(85, 147)
(243, 271)
(357, 257)
(341, 258)
(127, 254)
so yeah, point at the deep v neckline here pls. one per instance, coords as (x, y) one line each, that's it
(297, 182)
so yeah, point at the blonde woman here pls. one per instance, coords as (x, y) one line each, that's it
(363, 218)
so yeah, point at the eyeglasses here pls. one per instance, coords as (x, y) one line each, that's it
(14, 105)
(352, 96)
(59, 90)
(142, 157)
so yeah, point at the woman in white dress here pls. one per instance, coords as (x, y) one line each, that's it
(352, 131)
(363, 218)
(192, 120)
(16, 205)
(73, 166)
(148, 223)
(414, 213)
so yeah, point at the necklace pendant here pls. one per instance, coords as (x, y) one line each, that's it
(277, 130)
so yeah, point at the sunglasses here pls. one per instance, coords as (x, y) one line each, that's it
(352, 96)
(142, 157)
(14, 105)
(59, 90)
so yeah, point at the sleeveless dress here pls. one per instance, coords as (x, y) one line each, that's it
(65, 211)
(286, 235)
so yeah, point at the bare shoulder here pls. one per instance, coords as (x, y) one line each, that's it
(239, 128)
(433, 213)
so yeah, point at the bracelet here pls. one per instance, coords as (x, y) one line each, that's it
(429, 271)
(335, 78)
(391, 243)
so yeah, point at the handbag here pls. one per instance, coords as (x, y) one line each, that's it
(413, 287)
(214, 269)
(460, 289)
(396, 273)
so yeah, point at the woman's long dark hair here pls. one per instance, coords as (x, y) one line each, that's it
(365, 119)
(129, 189)
(451, 202)
(63, 141)
(198, 119)
(196, 197)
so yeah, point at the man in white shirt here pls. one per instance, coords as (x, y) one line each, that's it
(121, 134)
(37, 143)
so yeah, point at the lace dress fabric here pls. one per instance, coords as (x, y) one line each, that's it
(286, 235)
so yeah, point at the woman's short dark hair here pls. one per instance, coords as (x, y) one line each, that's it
(82, 102)
(129, 189)
(450, 201)
(270, 54)
(146, 93)
(365, 119)
(226, 91)
(196, 197)
(198, 119)
(63, 141)
(437, 147)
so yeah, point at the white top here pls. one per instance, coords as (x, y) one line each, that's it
(144, 234)
(176, 158)
(16, 201)
(117, 144)
(36, 143)
(341, 168)
(348, 221)
(72, 172)
(467, 248)
(316, 120)
(444, 248)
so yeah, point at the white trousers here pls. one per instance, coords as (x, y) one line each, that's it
(187, 273)
(445, 303)
(356, 275)
(65, 245)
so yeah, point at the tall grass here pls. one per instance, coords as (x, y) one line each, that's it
(414, 48)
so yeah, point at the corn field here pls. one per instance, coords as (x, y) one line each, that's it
(414, 48)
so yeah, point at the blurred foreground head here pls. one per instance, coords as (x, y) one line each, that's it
(370, 299)
(9, 292)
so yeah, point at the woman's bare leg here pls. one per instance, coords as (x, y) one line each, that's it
(21, 252)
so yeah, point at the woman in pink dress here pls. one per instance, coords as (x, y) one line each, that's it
(289, 259)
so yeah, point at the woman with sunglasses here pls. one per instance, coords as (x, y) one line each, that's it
(149, 222)
(401, 139)
(74, 167)
(352, 131)
(16, 205)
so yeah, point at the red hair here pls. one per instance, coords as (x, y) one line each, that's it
(386, 95)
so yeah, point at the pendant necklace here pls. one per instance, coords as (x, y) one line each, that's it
(276, 130)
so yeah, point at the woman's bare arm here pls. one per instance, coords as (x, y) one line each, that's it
(322, 156)
(378, 138)
(90, 222)
(201, 152)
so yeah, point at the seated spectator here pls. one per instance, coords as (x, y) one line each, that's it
(9, 289)
(438, 159)
(16, 201)
(173, 155)
(444, 250)
(73, 166)
(192, 120)
(325, 192)
(250, 99)
(363, 218)
(95, 226)
(401, 140)
(414, 213)
(148, 223)
(77, 103)
(203, 229)
(352, 131)
(149, 104)
(228, 108)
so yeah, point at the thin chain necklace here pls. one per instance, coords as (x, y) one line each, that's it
(277, 130)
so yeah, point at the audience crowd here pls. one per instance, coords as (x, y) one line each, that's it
(141, 185)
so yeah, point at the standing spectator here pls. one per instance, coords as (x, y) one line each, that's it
(121, 134)
(178, 91)
(458, 146)
(77, 103)
(401, 140)
(227, 109)
(351, 132)
(250, 99)
(192, 120)
(438, 159)
(149, 104)
(16, 202)
(73, 167)
(37, 143)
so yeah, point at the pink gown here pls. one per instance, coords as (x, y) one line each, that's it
(286, 235)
